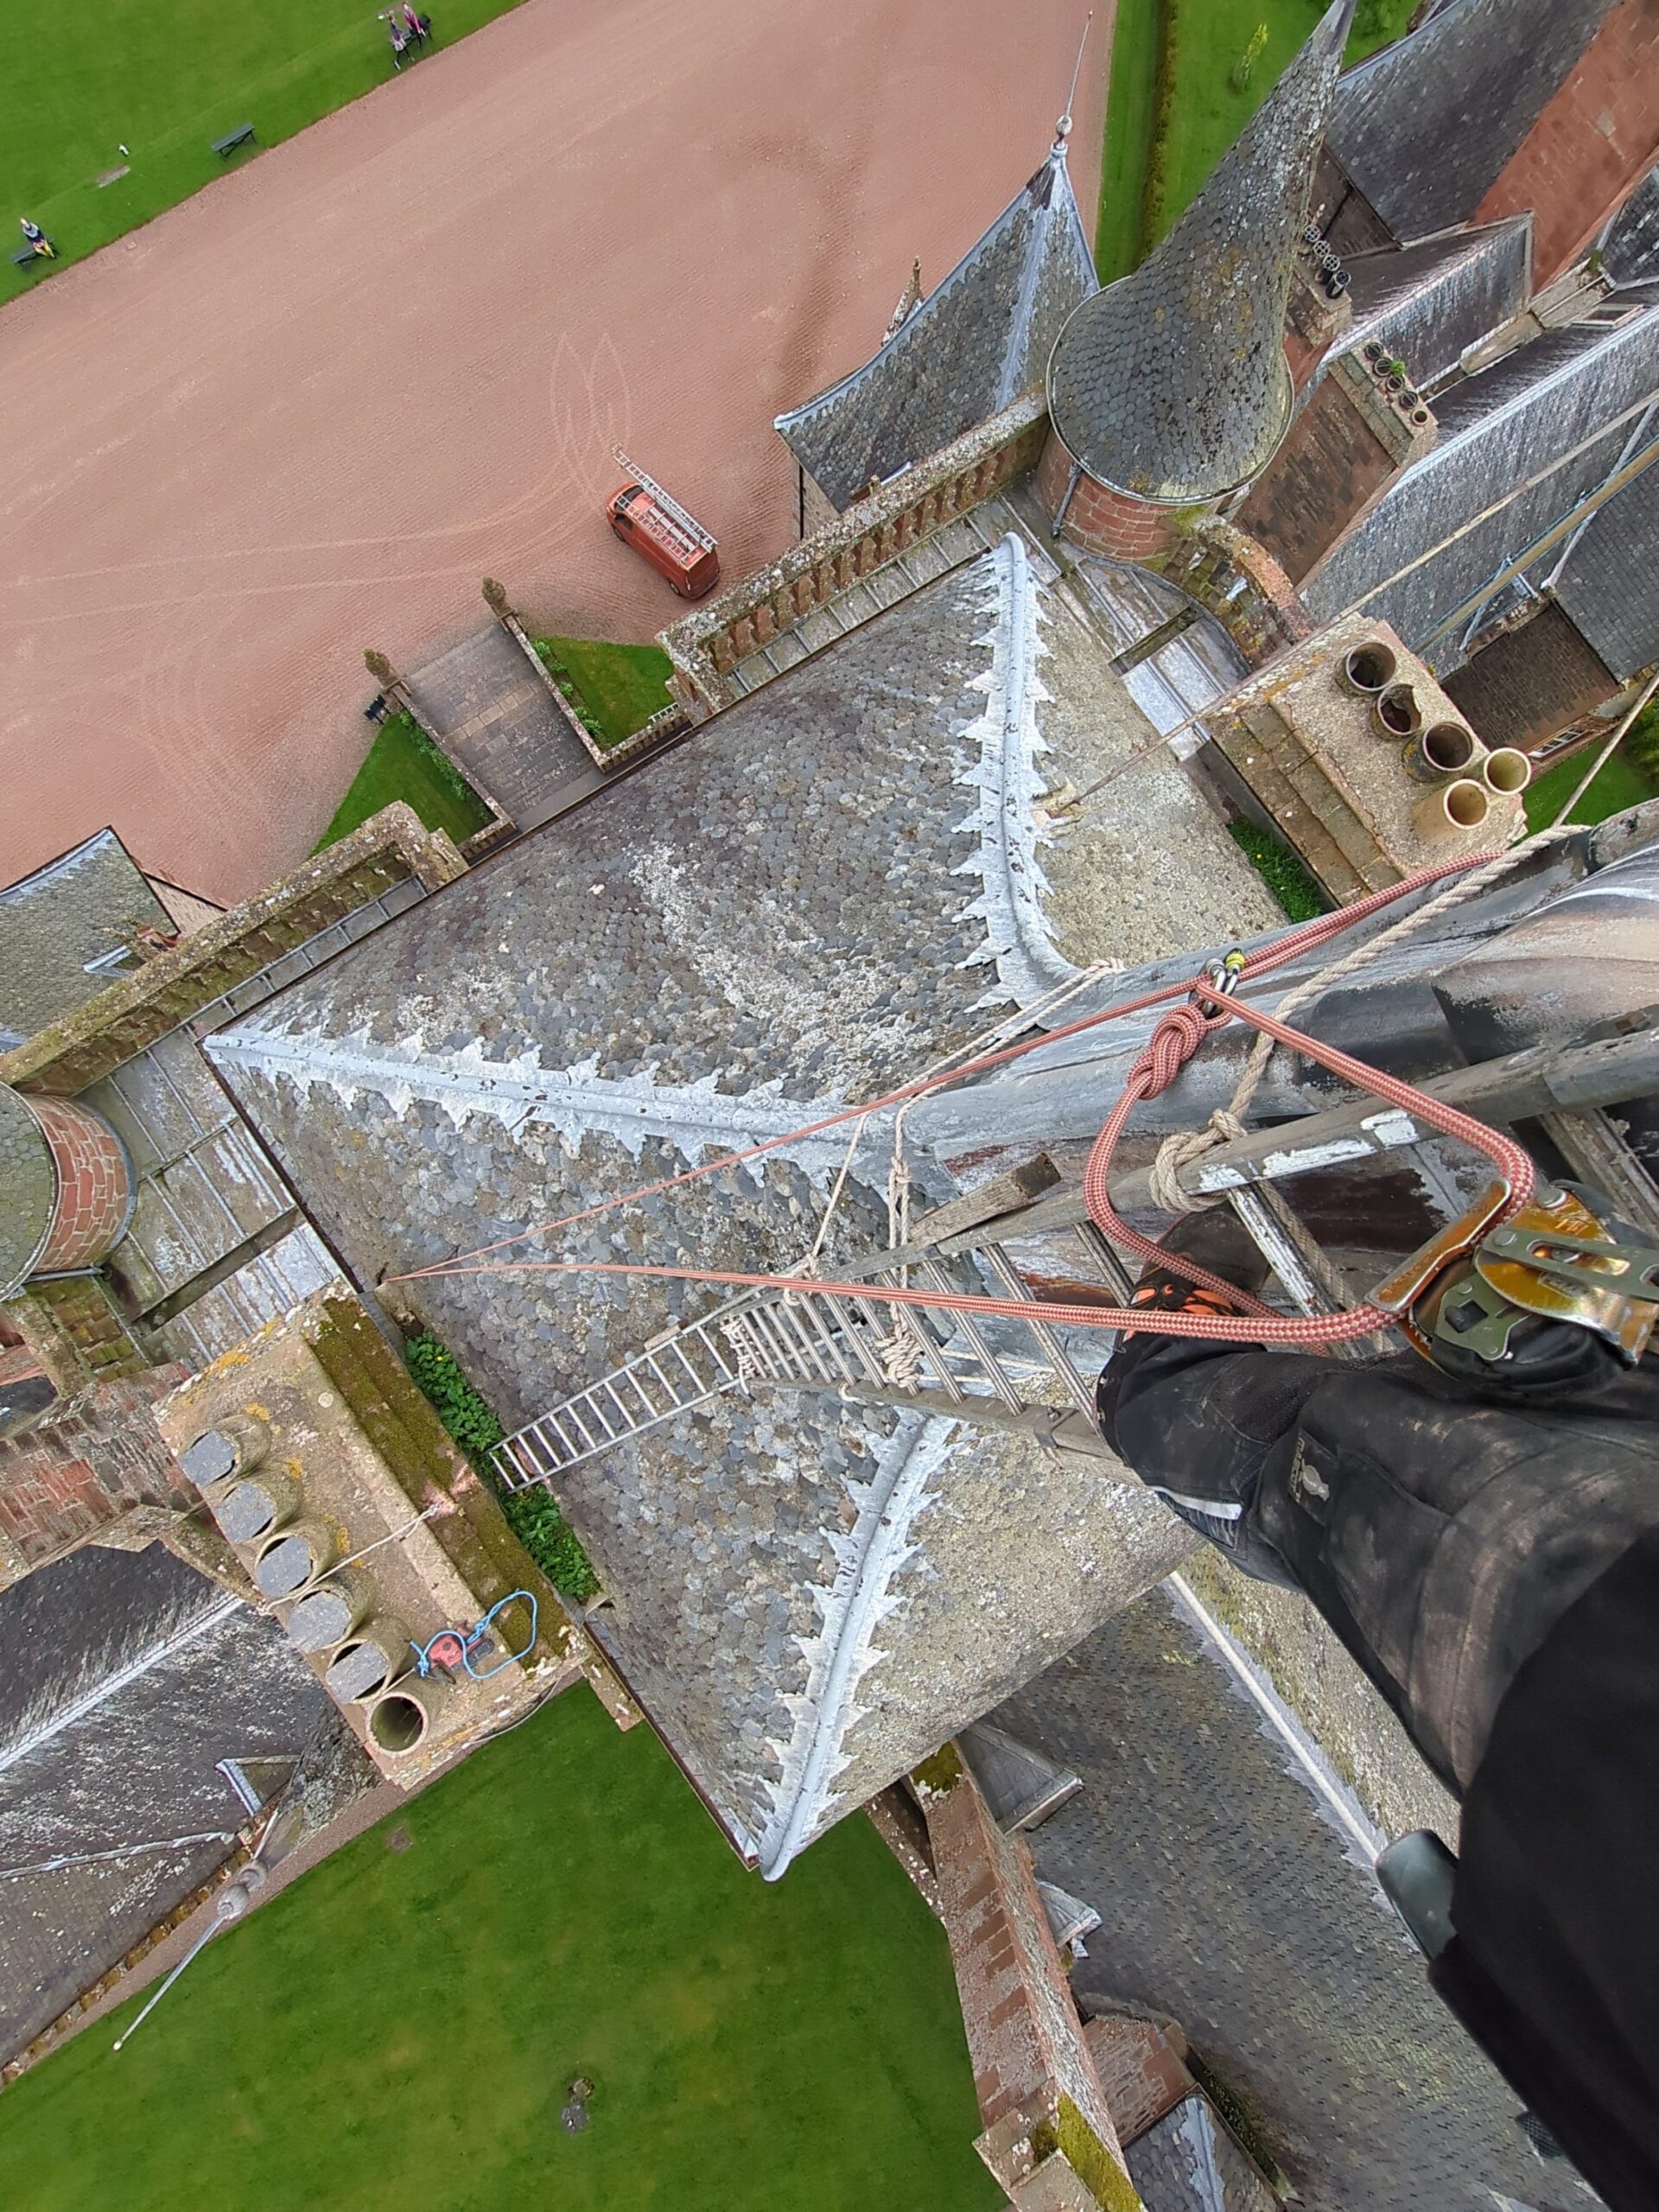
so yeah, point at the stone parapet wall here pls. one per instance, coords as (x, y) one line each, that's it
(706, 647)
(1235, 578)
(95, 1038)
(76, 1331)
(1049, 2137)
(83, 1469)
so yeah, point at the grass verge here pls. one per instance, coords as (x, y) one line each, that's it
(1290, 883)
(165, 80)
(1631, 777)
(403, 763)
(1180, 94)
(398, 2032)
(615, 688)
(532, 1514)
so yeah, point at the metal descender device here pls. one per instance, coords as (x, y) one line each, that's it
(1489, 1293)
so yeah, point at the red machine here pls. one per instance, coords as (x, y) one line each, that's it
(659, 530)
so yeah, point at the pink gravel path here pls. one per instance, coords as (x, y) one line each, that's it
(307, 410)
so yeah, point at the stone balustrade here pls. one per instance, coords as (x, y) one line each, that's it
(706, 645)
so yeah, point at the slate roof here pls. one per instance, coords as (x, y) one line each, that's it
(805, 902)
(1425, 126)
(972, 347)
(1428, 304)
(1171, 383)
(28, 1190)
(78, 908)
(1471, 504)
(1630, 245)
(1607, 583)
(124, 1676)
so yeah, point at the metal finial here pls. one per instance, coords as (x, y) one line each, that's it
(1063, 128)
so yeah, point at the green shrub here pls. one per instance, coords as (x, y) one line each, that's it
(1297, 892)
(1245, 68)
(532, 1514)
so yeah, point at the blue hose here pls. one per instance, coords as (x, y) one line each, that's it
(469, 1639)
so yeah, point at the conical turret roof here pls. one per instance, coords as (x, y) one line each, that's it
(1171, 383)
(972, 346)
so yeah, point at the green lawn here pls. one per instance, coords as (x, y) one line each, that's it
(165, 77)
(1622, 783)
(620, 686)
(1173, 112)
(403, 763)
(397, 2033)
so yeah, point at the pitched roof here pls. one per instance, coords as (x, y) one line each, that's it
(1630, 245)
(1520, 446)
(124, 1677)
(56, 924)
(973, 347)
(1425, 126)
(1606, 581)
(1171, 383)
(1430, 303)
(806, 902)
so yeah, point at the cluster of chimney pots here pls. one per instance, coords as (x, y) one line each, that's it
(1463, 779)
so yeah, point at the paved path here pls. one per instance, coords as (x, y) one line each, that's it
(307, 410)
(1228, 1900)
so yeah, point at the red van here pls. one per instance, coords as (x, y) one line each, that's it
(659, 530)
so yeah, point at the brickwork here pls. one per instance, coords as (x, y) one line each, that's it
(1592, 142)
(1034, 2079)
(1314, 321)
(94, 1184)
(1351, 440)
(1235, 578)
(1106, 521)
(87, 1465)
(706, 647)
(1142, 2070)
(388, 848)
(1526, 687)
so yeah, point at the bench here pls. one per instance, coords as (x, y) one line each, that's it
(242, 135)
(28, 258)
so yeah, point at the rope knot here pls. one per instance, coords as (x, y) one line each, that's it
(1171, 1046)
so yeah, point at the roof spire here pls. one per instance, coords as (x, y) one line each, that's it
(1171, 383)
(1063, 128)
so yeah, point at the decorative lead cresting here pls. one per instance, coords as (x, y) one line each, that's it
(1171, 383)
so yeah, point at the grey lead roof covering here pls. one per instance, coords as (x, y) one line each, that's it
(1470, 506)
(28, 1190)
(802, 905)
(1429, 304)
(1427, 125)
(973, 347)
(1630, 245)
(78, 908)
(1171, 383)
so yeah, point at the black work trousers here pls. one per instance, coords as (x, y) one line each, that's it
(1494, 1567)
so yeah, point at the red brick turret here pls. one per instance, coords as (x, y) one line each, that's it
(94, 1185)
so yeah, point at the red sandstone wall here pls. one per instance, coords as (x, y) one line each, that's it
(84, 1466)
(1591, 144)
(1112, 522)
(94, 1185)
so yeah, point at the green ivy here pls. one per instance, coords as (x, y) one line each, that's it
(532, 1514)
(1297, 892)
